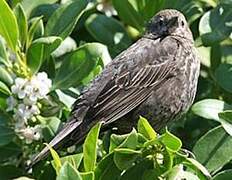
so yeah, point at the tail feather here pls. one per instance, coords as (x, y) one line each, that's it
(61, 138)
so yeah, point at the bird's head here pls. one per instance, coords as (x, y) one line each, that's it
(168, 22)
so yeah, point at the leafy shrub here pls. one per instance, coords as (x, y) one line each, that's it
(50, 50)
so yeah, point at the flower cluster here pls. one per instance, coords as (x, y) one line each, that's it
(24, 103)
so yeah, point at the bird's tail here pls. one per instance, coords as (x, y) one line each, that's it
(61, 138)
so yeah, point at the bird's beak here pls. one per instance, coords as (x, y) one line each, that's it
(172, 22)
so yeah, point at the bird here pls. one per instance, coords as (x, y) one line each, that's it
(156, 77)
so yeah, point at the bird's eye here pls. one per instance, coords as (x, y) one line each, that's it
(161, 22)
(182, 23)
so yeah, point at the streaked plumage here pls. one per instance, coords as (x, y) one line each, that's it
(156, 77)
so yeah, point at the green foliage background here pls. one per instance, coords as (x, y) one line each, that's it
(72, 40)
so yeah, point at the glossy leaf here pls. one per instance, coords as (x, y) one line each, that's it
(39, 50)
(4, 89)
(171, 142)
(35, 56)
(178, 172)
(35, 24)
(6, 135)
(215, 25)
(107, 169)
(63, 20)
(56, 158)
(145, 129)
(223, 76)
(139, 171)
(66, 46)
(214, 149)
(199, 166)
(29, 5)
(50, 127)
(8, 25)
(67, 172)
(5, 76)
(223, 175)
(8, 151)
(90, 148)
(87, 175)
(22, 23)
(124, 158)
(128, 14)
(116, 140)
(124, 141)
(109, 31)
(66, 99)
(9, 172)
(225, 118)
(3, 54)
(78, 64)
(209, 108)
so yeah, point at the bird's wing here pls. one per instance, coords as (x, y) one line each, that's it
(127, 91)
(130, 87)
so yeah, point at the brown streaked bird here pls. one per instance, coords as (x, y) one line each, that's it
(156, 77)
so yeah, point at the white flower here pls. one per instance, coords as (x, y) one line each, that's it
(22, 113)
(34, 110)
(18, 87)
(31, 133)
(25, 106)
(11, 103)
(41, 85)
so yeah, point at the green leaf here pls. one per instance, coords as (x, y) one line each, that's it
(90, 148)
(35, 56)
(225, 118)
(22, 23)
(9, 172)
(56, 158)
(8, 151)
(67, 45)
(106, 169)
(8, 25)
(5, 76)
(116, 140)
(63, 20)
(223, 75)
(214, 149)
(78, 64)
(35, 25)
(4, 89)
(87, 175)
(128, 14)
(74, 160)
(215, 25)
(3, 55)
(124, 158)
(139, 171)
(48, 66)
(199, 166)
(209, 108)
(6, 135)
(124, 141)
(29, 5)
(177, 172)
(145, 129)
(109, 31)
(190, 8)
(223, 175)
(66, 99)
(50, 127)
(39, 50)
(171, 142)
(67, 172)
